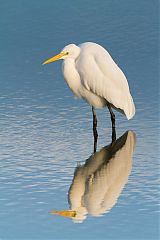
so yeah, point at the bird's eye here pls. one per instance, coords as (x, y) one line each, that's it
(67, 53)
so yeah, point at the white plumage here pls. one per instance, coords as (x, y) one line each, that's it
(91, 74)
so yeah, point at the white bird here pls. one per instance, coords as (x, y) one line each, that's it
(97, 184)
(92, 74)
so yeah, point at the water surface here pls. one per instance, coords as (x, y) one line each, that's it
(45, 133)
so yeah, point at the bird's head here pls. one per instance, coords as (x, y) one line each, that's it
(69, 51)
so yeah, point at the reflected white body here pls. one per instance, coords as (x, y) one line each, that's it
(91, 73)
(97, 184)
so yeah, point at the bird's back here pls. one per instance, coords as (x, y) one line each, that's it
(101, 75)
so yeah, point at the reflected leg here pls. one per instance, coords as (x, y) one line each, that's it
(95, 134)
(113, 122)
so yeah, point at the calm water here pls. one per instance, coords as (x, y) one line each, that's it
(46, 139)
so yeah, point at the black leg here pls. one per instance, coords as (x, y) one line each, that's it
(113, 123)
(95, 134)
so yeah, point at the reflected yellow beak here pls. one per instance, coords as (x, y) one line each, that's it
(67, 213)
(55, 58)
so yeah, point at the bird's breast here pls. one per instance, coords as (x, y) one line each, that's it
(71, 76)
(75, 83)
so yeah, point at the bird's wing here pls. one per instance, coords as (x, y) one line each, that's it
(100, 74)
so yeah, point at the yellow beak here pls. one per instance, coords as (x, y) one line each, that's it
(55, 58)
(67, 213)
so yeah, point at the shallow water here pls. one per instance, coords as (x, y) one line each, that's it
(45, 133)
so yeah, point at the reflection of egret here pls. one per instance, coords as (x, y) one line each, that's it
(98, 183)
(92, 74)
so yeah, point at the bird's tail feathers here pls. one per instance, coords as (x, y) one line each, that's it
(129, 108)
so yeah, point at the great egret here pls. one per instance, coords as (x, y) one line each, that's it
(97, 185)
(91, 74)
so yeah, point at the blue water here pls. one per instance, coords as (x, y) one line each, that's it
(45, 133)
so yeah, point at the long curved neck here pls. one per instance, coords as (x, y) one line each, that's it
(71, 75)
